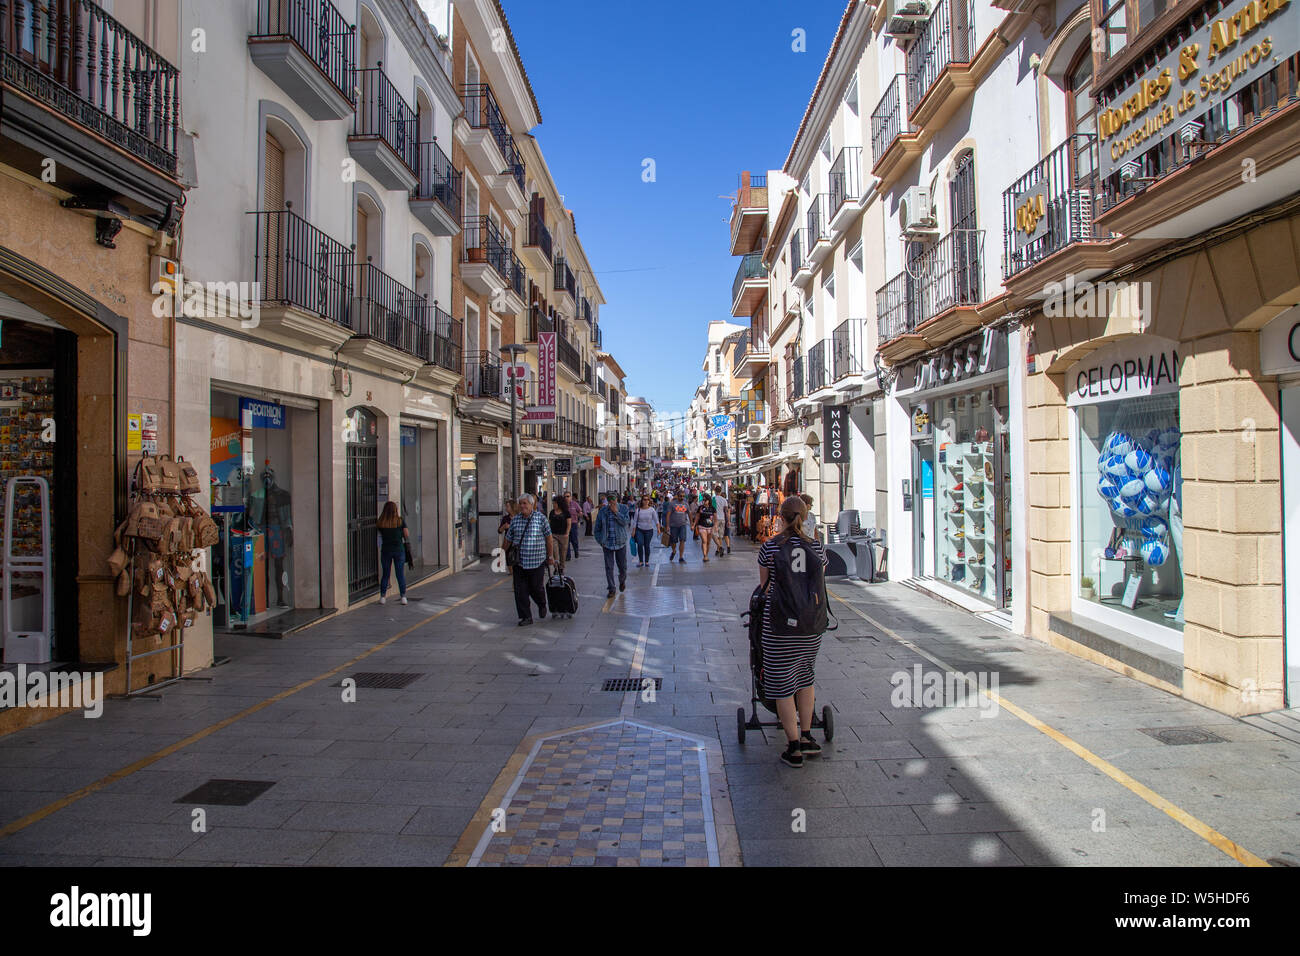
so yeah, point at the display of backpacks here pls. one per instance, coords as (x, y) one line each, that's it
(797, 589)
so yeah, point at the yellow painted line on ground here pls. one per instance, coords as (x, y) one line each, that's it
(38, 815)
(1175, 812)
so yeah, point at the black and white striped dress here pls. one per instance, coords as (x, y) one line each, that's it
(787, 661)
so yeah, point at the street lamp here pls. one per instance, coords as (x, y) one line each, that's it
(515, 350)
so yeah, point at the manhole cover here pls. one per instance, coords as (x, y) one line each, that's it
(381, 680)
(1178, 736)
(227, 793)
(625, 684)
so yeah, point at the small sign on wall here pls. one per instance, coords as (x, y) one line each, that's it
(133, 432)
(149, 433)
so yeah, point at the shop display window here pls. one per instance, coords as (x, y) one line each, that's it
(1130, 508)
(967, 494)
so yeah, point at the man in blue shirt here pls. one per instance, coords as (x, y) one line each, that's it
(530, 532)
(611, 533)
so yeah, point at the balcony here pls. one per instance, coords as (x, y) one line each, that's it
(538, 321)
(565, 431)
(797, 390)
(597, 339)
(941, 72)
(309, 50)
(484, 390)
(752, 355)
(435, 200)
(750, 285)
(305, 279)
(568, 356)
(587, 379)
(934, 300)
(819, 229)
(847, 196)
(748, 214)
(485, 266)
(801, 264)
(565, 284)
(819, 369)
(447, 338)
(390, 322)
(78, 88)
(850, 353)
(778, 401)
(1048, 215)
(383, 133)
(491, 148)
(893, 143)
(510, 301)
(538, 247)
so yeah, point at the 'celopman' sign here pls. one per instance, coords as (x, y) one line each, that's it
(1235, 47)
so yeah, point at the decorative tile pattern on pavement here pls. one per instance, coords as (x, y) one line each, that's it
(617, 794)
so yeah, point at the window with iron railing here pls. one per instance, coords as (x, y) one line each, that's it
(846, 178)
(446, 340)
(483, 375)
(751, 267)
(482, 243)
(818, 368)
(382, 114)
(440, 181)
(319, 30)
(948, 37)
(849, 344)
(294, 263)
(889, 118)
(1052, 205)
(78, 61)
(387, 311)
(942, 276)
(538, 235)
(819, 227)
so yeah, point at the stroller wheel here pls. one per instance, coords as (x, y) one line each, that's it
(828, 724)
(740, 725)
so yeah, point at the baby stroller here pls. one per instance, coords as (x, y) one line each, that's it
(753, 618)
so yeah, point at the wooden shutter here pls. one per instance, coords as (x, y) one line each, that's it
(274, 219)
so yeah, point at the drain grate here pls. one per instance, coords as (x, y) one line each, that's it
(227, 793)
(624, 685)
(1179, 736)
(383, 680)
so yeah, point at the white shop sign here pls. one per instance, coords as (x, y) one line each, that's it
(1279, 344)
(1144, 365)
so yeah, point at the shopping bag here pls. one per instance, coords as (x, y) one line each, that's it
(632, 544)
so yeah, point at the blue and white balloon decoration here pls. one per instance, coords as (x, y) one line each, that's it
(1135, 479)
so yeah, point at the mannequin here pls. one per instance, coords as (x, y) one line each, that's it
(275, 505)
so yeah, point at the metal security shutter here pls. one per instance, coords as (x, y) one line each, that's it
(471, 435)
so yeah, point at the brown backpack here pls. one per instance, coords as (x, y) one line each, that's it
(189, 477)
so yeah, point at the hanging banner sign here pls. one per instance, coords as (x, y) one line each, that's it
(546, 358)
(517, 372)
(723, 421)
(835, 418)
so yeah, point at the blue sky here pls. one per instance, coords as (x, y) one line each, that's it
(705, 89)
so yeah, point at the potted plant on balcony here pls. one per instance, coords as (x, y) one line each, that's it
(1086, 590)
(477, 254)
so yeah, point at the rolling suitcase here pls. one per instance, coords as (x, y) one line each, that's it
(561, 595)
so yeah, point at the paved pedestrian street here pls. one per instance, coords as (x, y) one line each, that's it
(499, 747)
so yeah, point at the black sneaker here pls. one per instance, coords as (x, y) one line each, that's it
(525, 621)
(809, 747)
(622, 585)
(792, 756)
(609, 593)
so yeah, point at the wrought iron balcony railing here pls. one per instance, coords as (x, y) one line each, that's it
(796, 378)
(846, 178)
(568, 356)
(318, 29)
(296, 264)
(946, 275)
(539, 235)
(1052, 205)
(483, 243)
(798, 250)
(538, 321)
(518, 277)
(439, 179)
(446, 340)
(819, 220)
(889, 118)
(483, 375)
(947, 37)
(383, 114)
(483, 112)
(818, 367)
(849, 344)
(564, 278)
(388, 311)
(75, 59)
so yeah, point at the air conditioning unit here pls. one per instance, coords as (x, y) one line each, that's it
(906, 17)
(916, 212)
(719, 454)
(756, 432)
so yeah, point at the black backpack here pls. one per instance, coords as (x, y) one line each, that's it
(798, 597)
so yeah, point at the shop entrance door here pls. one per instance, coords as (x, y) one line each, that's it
(923, 508)
(411, 502)
(363, 503)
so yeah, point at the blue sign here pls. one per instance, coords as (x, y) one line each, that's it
(256, 413)
(408, 435)
(722, 421)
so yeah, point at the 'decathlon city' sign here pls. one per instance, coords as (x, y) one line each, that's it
(1235, 47)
